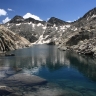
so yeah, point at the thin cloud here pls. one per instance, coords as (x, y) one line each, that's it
(48, 19)
(6, 20)
(69, 21)
(9, 9)
(27, 15)
(78, 17)
(3, 12)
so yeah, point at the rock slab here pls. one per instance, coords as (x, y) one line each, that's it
(25, 79)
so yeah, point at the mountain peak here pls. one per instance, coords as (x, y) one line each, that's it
(54, 20)
(16, 19)
(90, 13)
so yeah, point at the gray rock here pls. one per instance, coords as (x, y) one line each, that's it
(11, 41)
(63, 48)
(81, 35)
(25, 79)
(4, 90)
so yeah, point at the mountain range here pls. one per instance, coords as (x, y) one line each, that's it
(79, 36)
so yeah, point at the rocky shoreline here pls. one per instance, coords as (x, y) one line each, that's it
(81, 35)
(8, 85)
(84, 49)
(82, 42)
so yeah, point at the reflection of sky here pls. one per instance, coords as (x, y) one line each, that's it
(35, 57)
(50, 54)
(47, 58)
(53, 65)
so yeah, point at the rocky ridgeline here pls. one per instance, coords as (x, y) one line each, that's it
(35, 31)
(81, 36)
(28, 28)
(10, 40)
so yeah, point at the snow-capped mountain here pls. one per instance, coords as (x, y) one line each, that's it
(38, 32)
(79, 35)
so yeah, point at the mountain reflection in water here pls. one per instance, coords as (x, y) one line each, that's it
(67, 69)
(50, 56)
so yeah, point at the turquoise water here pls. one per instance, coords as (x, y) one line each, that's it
(66, 71)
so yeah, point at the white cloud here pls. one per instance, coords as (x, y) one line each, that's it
(69, 21)
(27, 15)
(6, 20)
(9, 9)
(3, 12)
(78, 17)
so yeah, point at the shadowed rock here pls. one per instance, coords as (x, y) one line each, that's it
(11, 41)
(4, 90)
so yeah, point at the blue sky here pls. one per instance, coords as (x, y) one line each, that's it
(67, 10)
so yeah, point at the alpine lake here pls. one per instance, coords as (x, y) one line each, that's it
(67, 73)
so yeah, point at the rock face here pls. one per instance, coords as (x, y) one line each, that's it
(10, 40)
(17, 19)
(29, 28)
(57, 21)
(81, 36)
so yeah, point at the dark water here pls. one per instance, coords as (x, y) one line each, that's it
(66, 72)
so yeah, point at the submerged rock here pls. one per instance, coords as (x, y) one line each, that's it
(9, 54)
(25, 79)
(4, 90)
(15, 94)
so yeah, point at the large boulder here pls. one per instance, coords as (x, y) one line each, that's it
(25, 79)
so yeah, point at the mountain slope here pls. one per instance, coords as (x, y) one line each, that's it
(57, 21)
(81, 36)
(10, 40)
(28, 28)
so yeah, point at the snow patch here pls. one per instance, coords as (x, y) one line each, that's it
(18, 24)
(8, 24)
(54, 25)
(33, 25)
(47, 41)
(40, 40)
(93, 16)
(44, 27)
(88, 18)
(75, 29)
(67, 26)
(56, 28)
(64, 27)
(39, 24)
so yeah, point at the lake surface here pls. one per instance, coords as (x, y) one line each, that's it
(67, 73)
